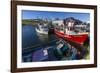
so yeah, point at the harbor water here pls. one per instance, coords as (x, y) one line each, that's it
(34, 43)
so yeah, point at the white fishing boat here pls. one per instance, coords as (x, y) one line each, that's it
(42, 28)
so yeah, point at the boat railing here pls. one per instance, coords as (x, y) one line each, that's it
(27, 50)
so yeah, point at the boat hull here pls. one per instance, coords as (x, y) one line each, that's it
(41, 32)
(79, 39)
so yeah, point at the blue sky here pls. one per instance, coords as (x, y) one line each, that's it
(28, 14)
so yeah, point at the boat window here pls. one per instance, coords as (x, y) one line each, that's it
(60, 46)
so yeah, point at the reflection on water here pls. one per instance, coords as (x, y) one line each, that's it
(43, 37)
(31, 38)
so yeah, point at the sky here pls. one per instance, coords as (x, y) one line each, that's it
(29, 14)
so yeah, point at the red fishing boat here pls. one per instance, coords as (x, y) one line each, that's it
(67, 31)
(78, 38)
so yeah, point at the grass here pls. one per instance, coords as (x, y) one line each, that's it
(27, 22)
(32, 21)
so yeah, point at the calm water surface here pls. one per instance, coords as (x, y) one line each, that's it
(31, 38)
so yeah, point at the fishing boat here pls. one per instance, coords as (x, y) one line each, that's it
(60, 51)
(64, 51)
(67, 31)
(42, 28)
(77, 38)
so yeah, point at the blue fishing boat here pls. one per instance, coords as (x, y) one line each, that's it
(64, 51)
(61, 51)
